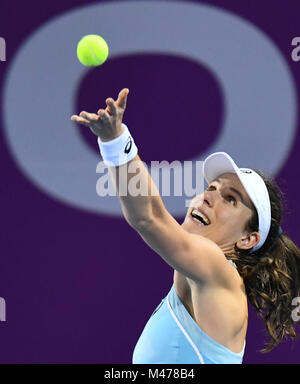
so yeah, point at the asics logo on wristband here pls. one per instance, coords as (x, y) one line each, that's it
(128, 146)
(118, 151)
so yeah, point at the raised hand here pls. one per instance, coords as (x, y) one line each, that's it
(107, 123)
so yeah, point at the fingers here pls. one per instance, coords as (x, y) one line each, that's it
(122, 98)
(89, 116)
(111, 106)
(80, 120)
(103, 114)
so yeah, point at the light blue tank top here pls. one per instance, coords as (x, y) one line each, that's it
(171, 336)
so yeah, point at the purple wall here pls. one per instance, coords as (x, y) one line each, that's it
(80, 285)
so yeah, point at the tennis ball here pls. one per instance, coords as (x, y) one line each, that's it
(92, 50)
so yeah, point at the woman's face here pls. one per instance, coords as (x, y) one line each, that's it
(226, 207)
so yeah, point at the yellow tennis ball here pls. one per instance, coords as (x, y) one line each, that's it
(92, 50)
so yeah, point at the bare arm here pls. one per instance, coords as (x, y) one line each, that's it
(192, 255)
(107, 124)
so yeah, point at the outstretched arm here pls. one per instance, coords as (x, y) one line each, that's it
(107, 124)
(192, 255)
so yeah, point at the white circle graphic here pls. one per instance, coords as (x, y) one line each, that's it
(39, 94)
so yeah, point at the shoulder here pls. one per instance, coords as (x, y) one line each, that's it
(193, 255)
(222, 313)
(219, 271)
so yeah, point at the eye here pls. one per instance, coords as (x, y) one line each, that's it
(230, 199)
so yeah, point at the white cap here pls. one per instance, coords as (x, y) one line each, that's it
(219, 163)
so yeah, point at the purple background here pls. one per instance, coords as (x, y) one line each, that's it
(80, 287)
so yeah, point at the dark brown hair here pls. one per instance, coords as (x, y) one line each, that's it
(272, 273)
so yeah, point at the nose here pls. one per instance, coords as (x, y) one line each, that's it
(209, 198)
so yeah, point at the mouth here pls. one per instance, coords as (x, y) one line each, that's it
(200, 217)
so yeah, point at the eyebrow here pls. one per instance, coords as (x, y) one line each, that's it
(236, 191)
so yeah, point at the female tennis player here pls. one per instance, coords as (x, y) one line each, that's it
(229, 248)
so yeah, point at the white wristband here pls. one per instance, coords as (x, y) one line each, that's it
(118, 151)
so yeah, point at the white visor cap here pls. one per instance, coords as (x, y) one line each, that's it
(219, 163)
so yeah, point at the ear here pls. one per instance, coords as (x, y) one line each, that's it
(248, 241)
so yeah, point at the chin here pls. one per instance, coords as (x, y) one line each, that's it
(192, 227)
